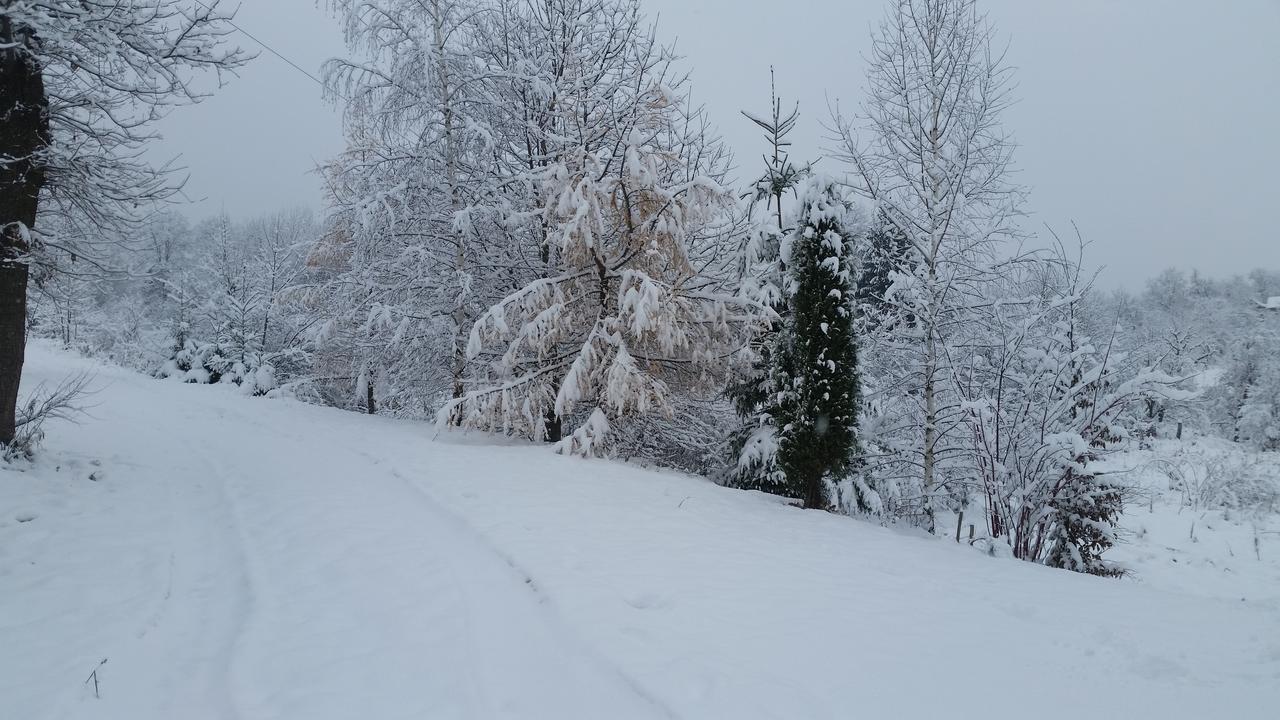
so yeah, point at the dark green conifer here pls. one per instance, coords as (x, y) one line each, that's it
(816, 361)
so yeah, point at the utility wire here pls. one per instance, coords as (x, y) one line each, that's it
(323, 86)
(268, 48)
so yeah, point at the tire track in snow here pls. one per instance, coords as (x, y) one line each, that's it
(267, 568)
(244, 605)
(504, 632)
(531, 584)
(171, 659)
(210, 587)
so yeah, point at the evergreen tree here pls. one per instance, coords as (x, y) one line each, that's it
(1086, 510)
(753, 445)
(816, 368)
(887, 252)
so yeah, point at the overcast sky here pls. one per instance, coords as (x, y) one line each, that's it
(1154, 124)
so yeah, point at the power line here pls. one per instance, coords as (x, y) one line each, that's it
(323, 86)
(402, 134)
(268, 48)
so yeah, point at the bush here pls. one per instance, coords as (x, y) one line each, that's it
(1211, 480)
(211, 363)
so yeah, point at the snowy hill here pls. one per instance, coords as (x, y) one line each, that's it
(233, 557)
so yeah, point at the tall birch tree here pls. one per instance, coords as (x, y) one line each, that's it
(929, 151)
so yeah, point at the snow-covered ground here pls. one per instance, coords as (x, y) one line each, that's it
(232, 557)
(1176, 541)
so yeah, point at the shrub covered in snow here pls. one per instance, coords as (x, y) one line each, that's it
(211, 363)
(1222, 477)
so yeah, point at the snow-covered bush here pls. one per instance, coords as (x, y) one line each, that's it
(203, 304)
(210, 363)
(1043, 405)
(1223, 478)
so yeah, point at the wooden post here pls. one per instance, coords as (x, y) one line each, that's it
(959, 524)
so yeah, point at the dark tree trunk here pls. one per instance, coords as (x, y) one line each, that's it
(24, 135)
(553, 426)
(370, 402)
(815, 493)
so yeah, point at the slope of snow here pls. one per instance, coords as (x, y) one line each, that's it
(244, 558)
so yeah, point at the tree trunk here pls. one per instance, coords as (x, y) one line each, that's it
(460, 319)
(930, 428)
(553, 426)
(24, 134)
(815, 493)
(936, 200)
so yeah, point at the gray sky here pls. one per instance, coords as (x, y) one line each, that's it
(1154, 124)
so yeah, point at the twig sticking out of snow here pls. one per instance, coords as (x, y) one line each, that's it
(94, 677)
(63, 402)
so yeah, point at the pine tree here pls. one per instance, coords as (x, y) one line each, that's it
(887, 252)
(1085, 508)
(753, 446)
(816, 367)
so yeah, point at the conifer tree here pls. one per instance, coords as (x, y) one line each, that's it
(1086, 512)
(816, 369)
(888, 252)
(753, 445)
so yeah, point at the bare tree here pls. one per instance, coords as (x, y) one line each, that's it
(81, 84)
(405, 193)
(278, 241)
(929, 151)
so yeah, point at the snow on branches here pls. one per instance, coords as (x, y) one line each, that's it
(624, 311)
(110, 69)
(1042, 405)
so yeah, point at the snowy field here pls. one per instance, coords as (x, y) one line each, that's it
(243, 558)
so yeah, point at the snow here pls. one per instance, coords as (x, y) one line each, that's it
(1272, 303)
(1175, 542)
(248, 558)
